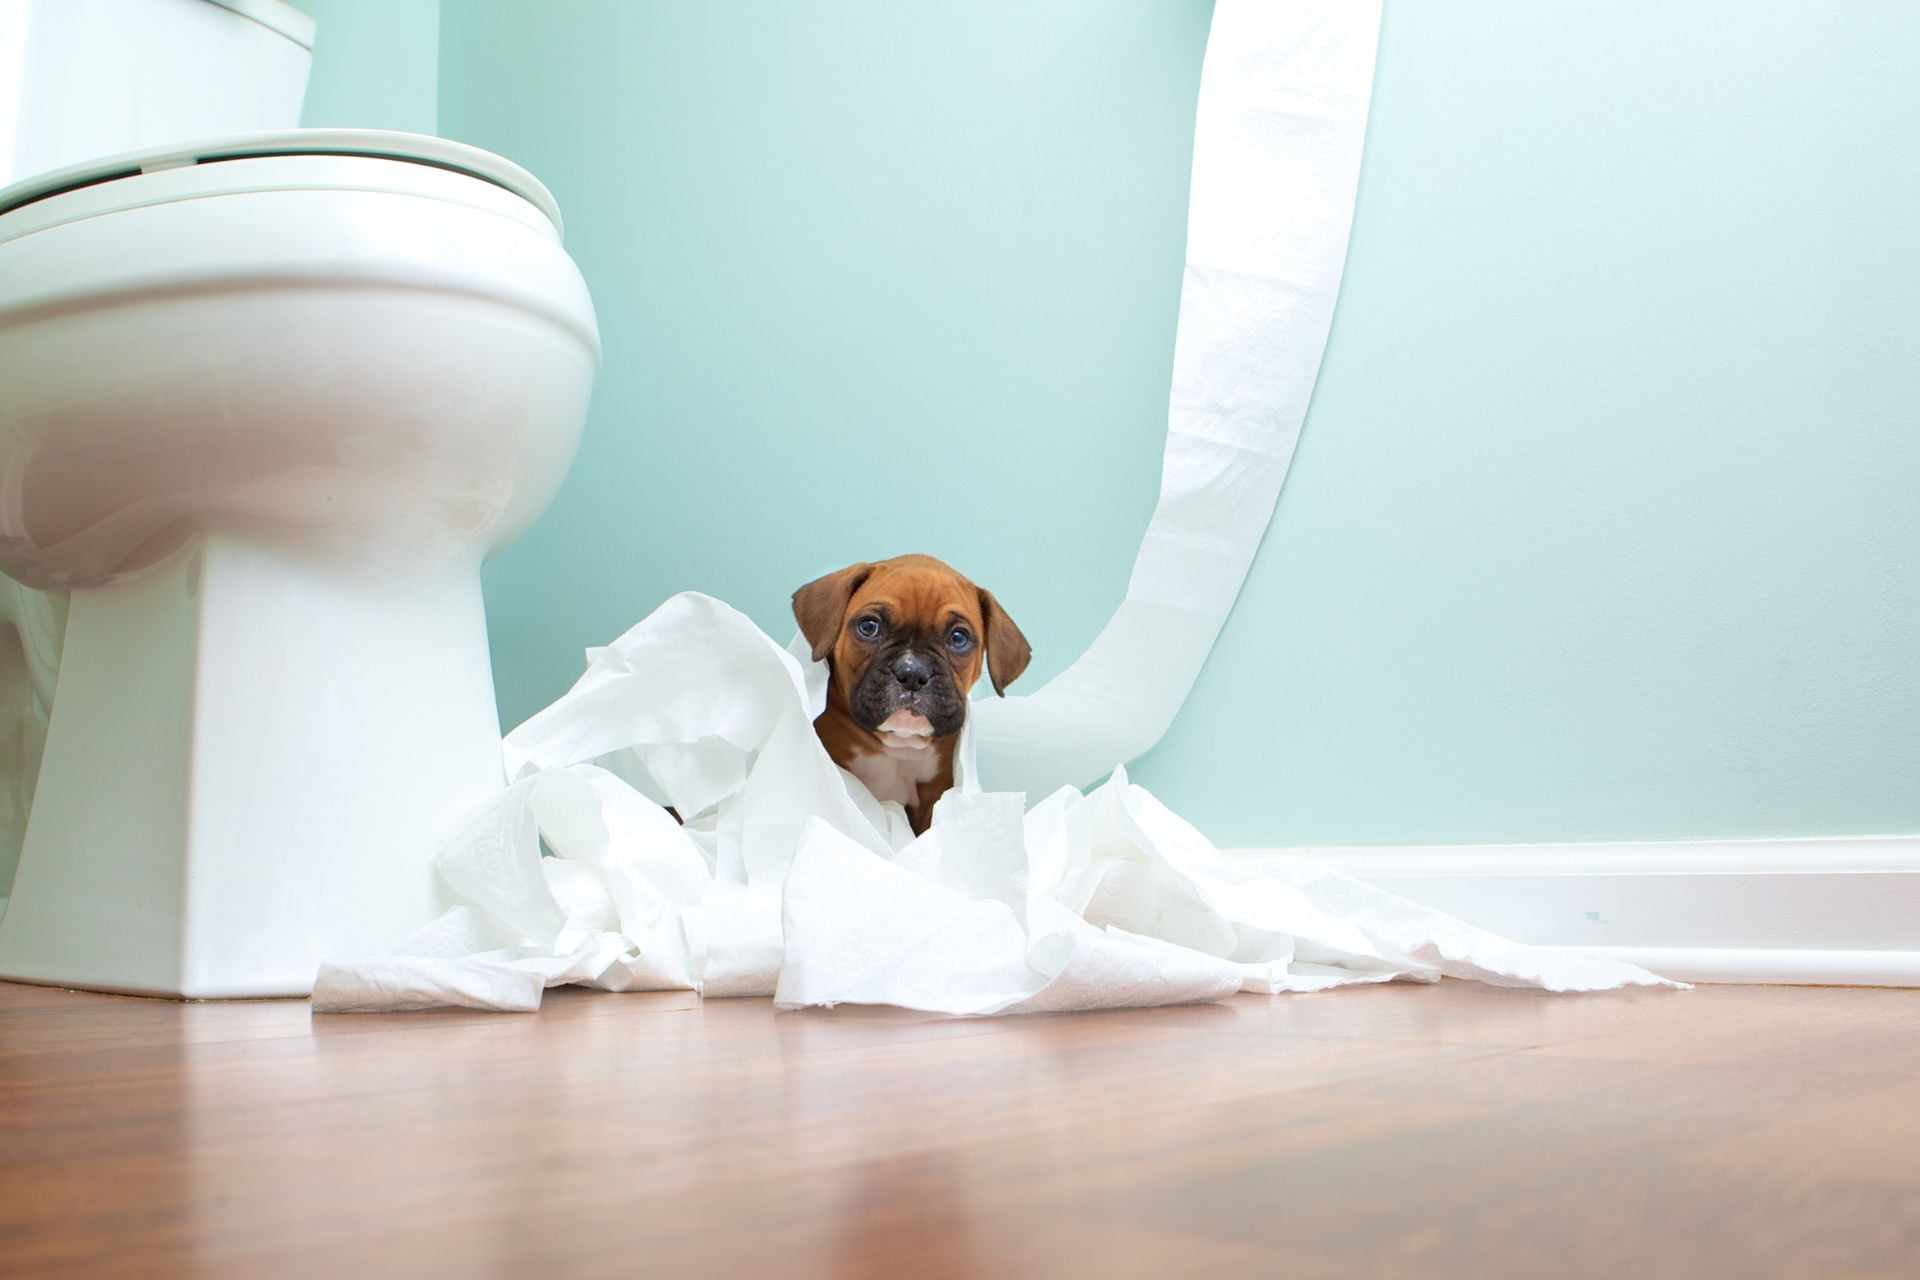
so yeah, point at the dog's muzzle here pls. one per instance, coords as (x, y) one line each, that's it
(909, 696)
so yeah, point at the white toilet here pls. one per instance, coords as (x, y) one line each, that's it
(266, 402)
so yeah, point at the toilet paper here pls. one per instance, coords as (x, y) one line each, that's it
(789, 879)
(1282, 113)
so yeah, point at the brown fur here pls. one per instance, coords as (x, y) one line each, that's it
(911, 592)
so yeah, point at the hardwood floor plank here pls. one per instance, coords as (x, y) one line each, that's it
(1813, 1029)
(1404, 1131)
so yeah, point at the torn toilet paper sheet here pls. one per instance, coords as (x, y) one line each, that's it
(789, 879)
(1278, 132)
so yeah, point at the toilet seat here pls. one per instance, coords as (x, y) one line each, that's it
(290, 160)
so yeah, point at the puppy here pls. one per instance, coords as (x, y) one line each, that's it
(905, 639)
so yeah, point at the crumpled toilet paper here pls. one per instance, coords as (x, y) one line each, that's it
(789, 879)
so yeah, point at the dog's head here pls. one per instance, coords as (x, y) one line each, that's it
(906, 639)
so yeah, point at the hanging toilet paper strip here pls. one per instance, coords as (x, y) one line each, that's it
(1276, 162)
(788, 878)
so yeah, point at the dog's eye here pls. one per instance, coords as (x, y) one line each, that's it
(867, 628)
(958, 640)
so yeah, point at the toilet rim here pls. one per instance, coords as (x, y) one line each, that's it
(372, 144)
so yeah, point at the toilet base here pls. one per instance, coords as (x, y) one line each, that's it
(252, 762)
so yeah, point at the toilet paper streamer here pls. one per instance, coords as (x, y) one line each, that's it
(1282, 114)
(788, 878)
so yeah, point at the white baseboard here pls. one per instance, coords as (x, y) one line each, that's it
(1842, 911)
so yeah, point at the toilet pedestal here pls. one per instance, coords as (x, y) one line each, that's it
(252, 762)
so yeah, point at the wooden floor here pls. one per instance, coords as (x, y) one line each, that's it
(1386, 1132)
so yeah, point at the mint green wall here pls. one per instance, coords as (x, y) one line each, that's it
(375, 64)
(1601, 524)
(1604, 521)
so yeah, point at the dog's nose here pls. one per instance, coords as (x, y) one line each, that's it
(912, 671)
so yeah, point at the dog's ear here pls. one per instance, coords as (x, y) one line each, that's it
(1007, 650)
(821, 606)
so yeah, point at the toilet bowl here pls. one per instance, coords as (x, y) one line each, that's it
(266, 403)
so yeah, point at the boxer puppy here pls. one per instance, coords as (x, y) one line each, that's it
(904, 639)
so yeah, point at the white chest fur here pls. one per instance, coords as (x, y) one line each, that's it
(896, 773)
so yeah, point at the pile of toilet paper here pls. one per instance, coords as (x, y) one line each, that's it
(789, 879)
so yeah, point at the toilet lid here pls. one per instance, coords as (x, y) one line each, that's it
(383, 144)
